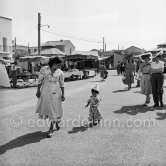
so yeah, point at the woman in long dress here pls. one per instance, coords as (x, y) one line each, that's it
(50, 93)
(144, 73)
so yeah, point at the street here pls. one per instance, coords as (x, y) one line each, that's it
(129, 134)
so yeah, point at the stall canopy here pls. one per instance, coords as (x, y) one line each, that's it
(157, 50)
(50, 52)
(32, 58)
(83, 55)
(5, 61)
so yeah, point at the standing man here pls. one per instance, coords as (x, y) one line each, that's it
(14, 74)
(157, 68)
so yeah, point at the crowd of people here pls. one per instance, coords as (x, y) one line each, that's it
(152, 78)
(51, 93)
(148, 72)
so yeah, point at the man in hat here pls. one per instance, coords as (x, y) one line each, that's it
(157, 68)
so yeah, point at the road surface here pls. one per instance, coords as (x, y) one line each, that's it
(129, 134)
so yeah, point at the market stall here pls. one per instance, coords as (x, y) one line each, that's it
(26, 71)
(85, 61)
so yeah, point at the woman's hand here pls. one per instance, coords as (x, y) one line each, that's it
(62, 98)
(38, 94)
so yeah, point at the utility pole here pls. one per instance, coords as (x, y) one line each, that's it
(103, 44)
(39, 25)
(28, 50)
(15, 44)
(105, 47)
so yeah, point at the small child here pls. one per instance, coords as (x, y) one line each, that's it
(94, 112)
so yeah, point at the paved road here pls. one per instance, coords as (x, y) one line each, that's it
(130, 134)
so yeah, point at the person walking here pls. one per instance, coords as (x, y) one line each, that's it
(94, 112)
(157, 68)
(122, 67)
(134, 67)
(118, 68)
(129, 73)
(137, 69)
(50, 92)
(144, 74)
(102, 71)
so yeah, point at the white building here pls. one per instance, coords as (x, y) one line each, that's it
(5, 38)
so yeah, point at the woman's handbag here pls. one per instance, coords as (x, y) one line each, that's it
(124, 80)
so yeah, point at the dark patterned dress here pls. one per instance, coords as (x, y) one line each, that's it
(94, 112)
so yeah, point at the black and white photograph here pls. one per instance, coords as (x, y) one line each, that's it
(82, 83)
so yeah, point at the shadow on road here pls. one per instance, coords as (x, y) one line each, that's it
(23, 140)
(133, 110)
(97, 81)
(161, 116)
(78, 129)
(115, 75)
(122, 90)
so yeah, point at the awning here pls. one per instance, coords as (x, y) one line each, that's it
(80, 57)
(83, 55)
(32, 58)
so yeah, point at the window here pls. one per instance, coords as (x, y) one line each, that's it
(4, 44)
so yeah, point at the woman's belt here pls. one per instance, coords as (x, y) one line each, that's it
(145, 73)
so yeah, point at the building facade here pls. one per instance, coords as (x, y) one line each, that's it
(65, 46)
(111, 58)
(33, 49)
(5, 38)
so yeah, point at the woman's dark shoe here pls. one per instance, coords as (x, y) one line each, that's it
(91, 124)
(156, 105)
(49, 134)
(161, 104)
(94, 123)
(57, 125)
(145, 105)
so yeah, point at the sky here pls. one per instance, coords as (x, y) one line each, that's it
(122, 23)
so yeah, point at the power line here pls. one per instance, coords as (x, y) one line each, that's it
(71, 35)
(77, 38)
(92, 40)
